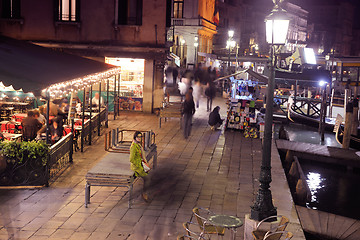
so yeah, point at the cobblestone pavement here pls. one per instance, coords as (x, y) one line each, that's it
(215, 169)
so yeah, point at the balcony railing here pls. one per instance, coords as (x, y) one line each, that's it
(186, 21)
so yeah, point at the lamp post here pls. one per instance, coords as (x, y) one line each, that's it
(230, 44)
(277, 25)
(196, 44)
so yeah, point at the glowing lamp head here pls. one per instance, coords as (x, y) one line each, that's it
(277, 25)
(322, 83)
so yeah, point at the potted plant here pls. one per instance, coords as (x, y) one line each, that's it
(25, 162)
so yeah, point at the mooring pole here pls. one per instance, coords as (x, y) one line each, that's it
(347, 129)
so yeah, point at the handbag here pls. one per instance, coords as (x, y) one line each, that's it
(145, 166)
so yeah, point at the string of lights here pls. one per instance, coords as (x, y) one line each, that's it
(65, 88)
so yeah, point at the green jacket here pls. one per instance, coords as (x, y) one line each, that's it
(136, 155)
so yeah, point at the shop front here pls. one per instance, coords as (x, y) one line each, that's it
(130, 82)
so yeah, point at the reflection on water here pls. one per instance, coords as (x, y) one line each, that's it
(315, 183)
(334, 189)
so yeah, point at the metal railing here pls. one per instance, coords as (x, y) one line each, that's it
(60, 157)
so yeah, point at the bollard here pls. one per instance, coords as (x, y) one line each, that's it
(289, 158)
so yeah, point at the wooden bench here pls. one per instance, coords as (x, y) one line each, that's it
(113, 170)
(171, 110)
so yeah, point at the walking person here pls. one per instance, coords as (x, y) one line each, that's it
(197, 93)
(210, 94)
(188, 112)
(138, 163)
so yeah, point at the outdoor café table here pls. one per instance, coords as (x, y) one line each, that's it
(226, 221)
(12, 136)
(18, 117)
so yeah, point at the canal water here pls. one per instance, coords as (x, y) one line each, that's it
(334, 189)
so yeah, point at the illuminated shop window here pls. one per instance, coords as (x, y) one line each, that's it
(10, 9)
(131, 85)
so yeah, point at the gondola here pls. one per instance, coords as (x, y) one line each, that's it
(329, 126)
(299, 117)
(354, 140)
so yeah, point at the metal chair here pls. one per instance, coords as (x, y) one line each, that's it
(278, 235)
(190, 233)
(259, 234)
(206, 227)
(185, 237)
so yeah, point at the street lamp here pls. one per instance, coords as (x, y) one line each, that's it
(196, 44)
(230, 44)
(277, 24)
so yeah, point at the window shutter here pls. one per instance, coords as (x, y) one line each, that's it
(6, 9)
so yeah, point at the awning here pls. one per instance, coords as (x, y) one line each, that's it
(307, 75)
(34, 68)
(258, 76)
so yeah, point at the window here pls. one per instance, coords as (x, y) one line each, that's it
(129, 12)
(10, 9)
(67, 10)
(178, 8)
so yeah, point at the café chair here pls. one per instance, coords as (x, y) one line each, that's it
(278, 235)
(191, 234)
(259, 234)
(205, 226)
(186, 237)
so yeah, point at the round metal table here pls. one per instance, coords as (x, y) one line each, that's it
(226, 221)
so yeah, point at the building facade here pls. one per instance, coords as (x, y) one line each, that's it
(297, 34)
(191, 30)
(331, 27)
(121, 32)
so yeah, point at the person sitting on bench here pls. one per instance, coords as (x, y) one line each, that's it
(139, 164)
(214, 119)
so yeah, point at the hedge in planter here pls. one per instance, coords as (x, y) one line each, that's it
(25, 163)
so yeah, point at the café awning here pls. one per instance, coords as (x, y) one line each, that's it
(34, 68)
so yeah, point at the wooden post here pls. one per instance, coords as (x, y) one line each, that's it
(346, 99)
(347, 129)
(331, 102)
(322, 115)
(355, 120)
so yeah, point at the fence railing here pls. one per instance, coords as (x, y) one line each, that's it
(60, 156)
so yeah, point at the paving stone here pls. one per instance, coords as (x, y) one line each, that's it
(217, 169)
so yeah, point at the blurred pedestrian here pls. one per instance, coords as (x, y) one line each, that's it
(215, 120)
(197, 93)
(210, 94)
(30, 126)
(188, 112)
(41, 118)
(56, 129)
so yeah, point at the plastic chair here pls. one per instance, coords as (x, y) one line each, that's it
(206, 227)
(259, 234)
(278, 235)
(190, 233)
